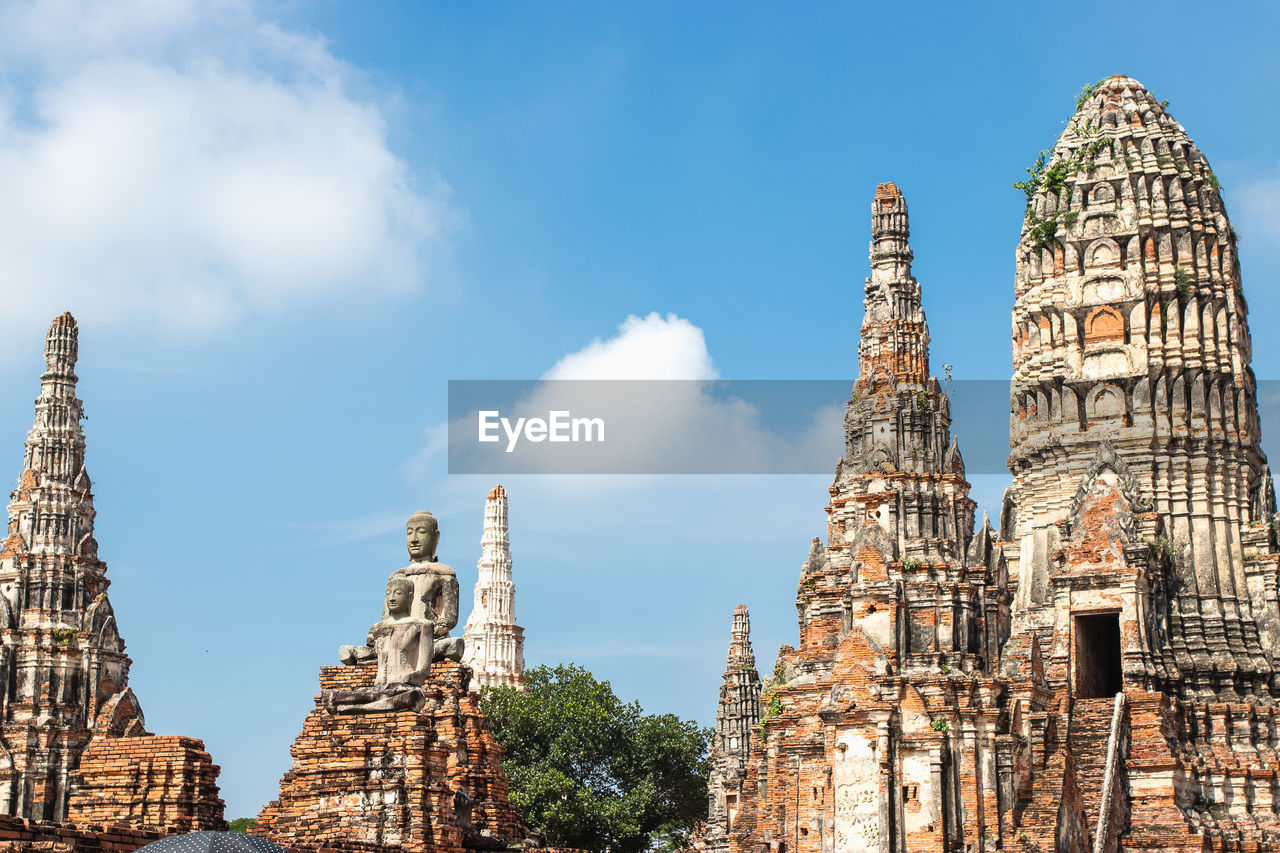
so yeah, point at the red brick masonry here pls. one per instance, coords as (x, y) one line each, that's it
(395, 780)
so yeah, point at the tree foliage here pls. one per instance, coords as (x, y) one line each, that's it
(593, 772)
(241, 824)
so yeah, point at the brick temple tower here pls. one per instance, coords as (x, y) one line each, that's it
(737, 716)
(1127, 700)
(1142, 515)
(883, 727)
(73, 747)
(63, 670)
(1131, 338)
(494, 643)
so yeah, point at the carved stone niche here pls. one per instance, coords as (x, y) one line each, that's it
(1106, 402)
(1104, 324)
(1102, 193)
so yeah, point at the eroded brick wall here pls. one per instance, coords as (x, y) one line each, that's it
(166, 783)
(392, 780)
(24, 836)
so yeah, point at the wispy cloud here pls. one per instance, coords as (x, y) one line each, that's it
(172, 166)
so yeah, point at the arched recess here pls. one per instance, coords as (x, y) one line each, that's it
(1105, 401)
(1104, 325)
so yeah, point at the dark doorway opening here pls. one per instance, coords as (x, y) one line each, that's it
(1098, 655)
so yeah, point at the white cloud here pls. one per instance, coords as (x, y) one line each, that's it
(653, 387)
(652, 347)
(171, 166)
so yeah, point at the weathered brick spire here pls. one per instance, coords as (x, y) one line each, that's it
(1131, 338)
(63, 671)
(494, 643)
(737, 715)
(898, 421)
(895, 337)
(873, 727)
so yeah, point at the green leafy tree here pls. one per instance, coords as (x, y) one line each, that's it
(241, 824)
(593, 772)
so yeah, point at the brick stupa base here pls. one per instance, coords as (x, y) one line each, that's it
(128, 792)
(396, 780)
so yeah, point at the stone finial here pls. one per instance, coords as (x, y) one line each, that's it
(61, 349)
(894, 338)
(740, 645)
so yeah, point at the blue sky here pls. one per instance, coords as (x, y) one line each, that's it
(284, 227)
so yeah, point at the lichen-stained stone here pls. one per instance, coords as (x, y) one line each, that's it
(494, 642)
(72, 733)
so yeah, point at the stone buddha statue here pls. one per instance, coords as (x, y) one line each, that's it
(420, 608)
(402, 645)
(435, 584)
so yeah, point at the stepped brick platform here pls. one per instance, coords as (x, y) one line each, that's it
(167, 783)
(397, 780)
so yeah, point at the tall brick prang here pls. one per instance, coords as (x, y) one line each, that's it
(73, 744)
(885, 720)
(1142, 515)
(1131, 330)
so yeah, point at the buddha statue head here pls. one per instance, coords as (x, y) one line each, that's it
(422, 534)
(399, 597)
